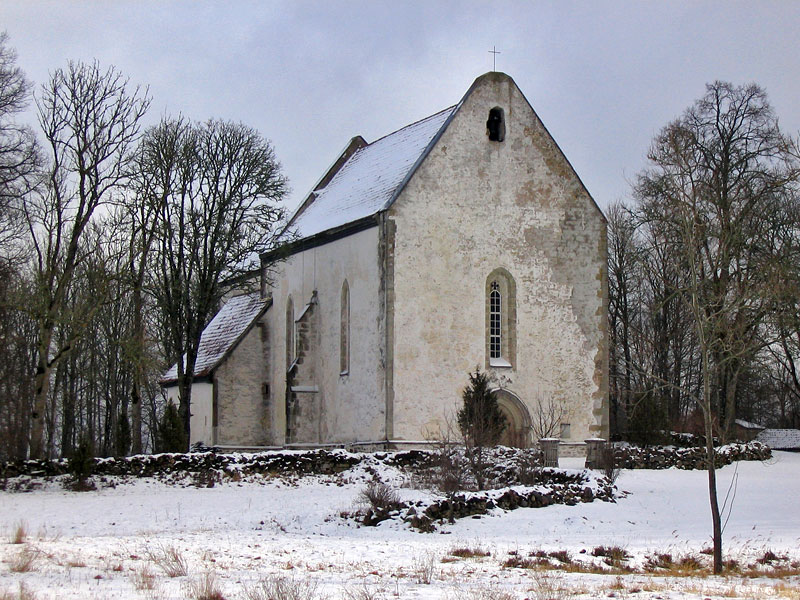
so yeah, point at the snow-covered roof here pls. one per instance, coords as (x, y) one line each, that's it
(748, 425)
(369, 179)
(780, 439)
(222, 334)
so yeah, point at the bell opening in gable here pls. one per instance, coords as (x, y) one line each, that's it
(495, 125)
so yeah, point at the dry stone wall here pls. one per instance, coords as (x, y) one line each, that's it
(666, 457)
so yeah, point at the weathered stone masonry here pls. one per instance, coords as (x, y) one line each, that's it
(424, 225)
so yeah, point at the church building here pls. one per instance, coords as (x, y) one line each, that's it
(464, 240)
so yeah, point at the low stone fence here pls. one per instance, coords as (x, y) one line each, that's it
(507, 466)
(665, 457)
(626, 456)
(322, 462)
(479, 503)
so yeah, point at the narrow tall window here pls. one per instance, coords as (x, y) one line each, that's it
(501, 319)
(290, 349)
(495, 320)
(344, 334)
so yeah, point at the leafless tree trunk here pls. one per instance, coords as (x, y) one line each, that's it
(16, 369)
(721, 176)
(622, 258)
(90, 120)
(141, 220)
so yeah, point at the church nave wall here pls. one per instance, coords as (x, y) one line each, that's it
(333, 407)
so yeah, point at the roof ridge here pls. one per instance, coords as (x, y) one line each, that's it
(417, 122)
(369, 178)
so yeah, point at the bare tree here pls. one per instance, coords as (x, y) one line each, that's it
(139, 219)
(622, 256)
(721, 176)
(18, 169)
(90, 120)
(547, 417)
(217, 188)
(785, 354)
(18, 152)
(785, 371)
(17, 336)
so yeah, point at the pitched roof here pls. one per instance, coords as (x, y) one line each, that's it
(780, 439)
(748, 425)
(223, 333)
(369, 179)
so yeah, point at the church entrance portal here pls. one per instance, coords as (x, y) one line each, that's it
(517, 433)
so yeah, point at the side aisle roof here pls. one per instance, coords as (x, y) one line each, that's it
(223, 333)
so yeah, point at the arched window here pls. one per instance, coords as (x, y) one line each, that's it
(495, 317)
(344, 333)
(289, 333)
(501, 319)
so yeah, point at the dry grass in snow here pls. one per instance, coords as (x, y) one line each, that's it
(283, 539)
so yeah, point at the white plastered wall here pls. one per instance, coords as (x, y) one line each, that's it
(352, 405)
(201, 416)
(476, 205)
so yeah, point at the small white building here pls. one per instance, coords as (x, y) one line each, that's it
(228, 342)
(462, 240)
(780, 439)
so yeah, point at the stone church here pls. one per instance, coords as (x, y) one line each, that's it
(462, 240)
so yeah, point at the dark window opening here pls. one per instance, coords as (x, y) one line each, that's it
(495, 125)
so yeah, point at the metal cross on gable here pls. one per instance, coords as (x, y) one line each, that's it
(494, 52)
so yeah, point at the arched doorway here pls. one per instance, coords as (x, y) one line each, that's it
(517, 433)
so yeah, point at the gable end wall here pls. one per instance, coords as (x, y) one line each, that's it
(474, 206)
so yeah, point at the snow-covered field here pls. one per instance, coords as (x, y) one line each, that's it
(235, 537)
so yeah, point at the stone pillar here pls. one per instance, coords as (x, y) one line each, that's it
(549, 448)
(594, 453)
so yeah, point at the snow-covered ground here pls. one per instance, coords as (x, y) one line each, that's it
(111, 543)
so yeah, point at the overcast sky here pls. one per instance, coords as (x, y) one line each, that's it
(604, 77)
